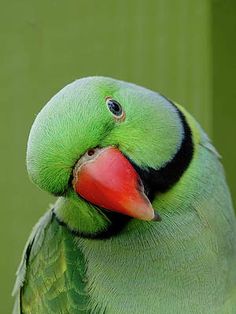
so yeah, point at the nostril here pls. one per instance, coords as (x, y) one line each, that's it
(91, 152)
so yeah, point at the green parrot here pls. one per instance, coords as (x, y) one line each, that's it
(143, 222)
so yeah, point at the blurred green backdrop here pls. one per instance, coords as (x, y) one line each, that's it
(184, 49)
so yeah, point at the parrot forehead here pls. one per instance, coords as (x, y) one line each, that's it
(77, 119)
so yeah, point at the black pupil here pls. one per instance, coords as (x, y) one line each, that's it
(114, 107)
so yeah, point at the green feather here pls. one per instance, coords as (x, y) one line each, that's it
(55, 280)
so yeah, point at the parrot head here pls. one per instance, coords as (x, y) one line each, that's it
(107, 148)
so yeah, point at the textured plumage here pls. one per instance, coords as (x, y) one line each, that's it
(81, 258)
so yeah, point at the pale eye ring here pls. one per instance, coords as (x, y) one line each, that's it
(115, 108)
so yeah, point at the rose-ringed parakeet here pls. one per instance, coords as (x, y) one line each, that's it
(143, 222)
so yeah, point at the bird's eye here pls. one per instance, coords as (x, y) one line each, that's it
(115, 108)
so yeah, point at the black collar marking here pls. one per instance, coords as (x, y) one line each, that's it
(154, 181)
(118, 222)
(161, 180)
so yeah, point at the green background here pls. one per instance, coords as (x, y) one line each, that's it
(184, 49)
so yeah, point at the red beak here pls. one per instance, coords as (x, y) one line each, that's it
(108, 180)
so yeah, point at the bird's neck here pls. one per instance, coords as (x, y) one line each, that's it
(173, 261)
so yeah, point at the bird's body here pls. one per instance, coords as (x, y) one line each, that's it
(183, 264)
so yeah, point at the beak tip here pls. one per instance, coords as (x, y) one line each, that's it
(156, 217)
